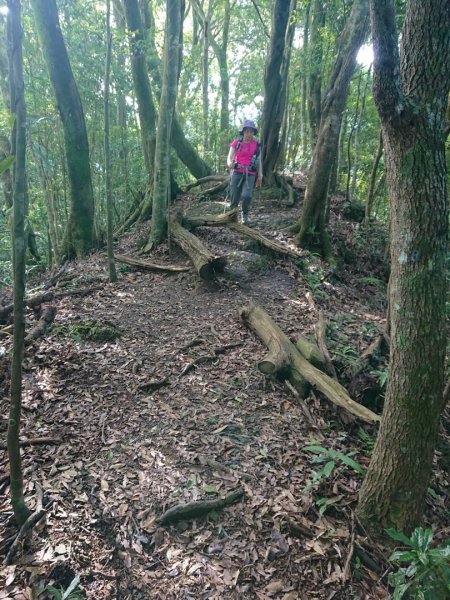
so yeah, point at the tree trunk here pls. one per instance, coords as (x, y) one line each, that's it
(108, 175)
(315, 68)
(373, 177)
(275, 82)
(80, 227)
(161, 191)
(21, 512)
(411, 97)
(142, 87)
(313, 234)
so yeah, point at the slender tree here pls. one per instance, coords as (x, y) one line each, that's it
(313, 233)
(410, 92)
(20, 509)
(80, 228)
(315, 67)
(174, 22)
(108, 175)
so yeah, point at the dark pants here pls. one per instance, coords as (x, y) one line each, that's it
(241, 185)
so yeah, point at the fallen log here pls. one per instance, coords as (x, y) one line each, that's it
(152, 266)
(206, 264)
(47, 317)
(198, 508)
(284, 359)
(311, 352)
(32, 442)
(229, 219)
(207, 179)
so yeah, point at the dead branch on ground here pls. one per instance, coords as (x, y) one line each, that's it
(283, 358)
(152, 266)
(198, 508)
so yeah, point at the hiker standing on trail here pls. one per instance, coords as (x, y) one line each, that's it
(244, 159)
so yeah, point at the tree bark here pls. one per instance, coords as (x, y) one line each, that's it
(80, 228)
(161, 183)
(410, 91)
(373, 177)
(108, 174)
(21, 511)
(142, 87)
(313, 233)
(315, 68)
(275, 85)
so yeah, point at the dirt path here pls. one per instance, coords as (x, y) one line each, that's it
(135, 436)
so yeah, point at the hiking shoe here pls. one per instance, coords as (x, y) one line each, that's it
(244, 219)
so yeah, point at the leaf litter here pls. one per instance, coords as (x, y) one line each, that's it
(134, 438)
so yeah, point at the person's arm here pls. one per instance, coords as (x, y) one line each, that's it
(231, 157)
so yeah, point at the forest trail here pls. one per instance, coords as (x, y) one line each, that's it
(139, 427)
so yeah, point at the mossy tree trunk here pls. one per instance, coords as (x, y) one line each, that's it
(275, 87)
(80, 228)
(20, 509)
(313, 233)
(410, 91)
(174, 20)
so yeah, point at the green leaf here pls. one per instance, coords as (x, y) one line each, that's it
(403, 556)
(421, 538)
(316, 449)
(351, 463)
(399, 537)
(328, 468)
(54, 592)
(210, 489)
(399, 591)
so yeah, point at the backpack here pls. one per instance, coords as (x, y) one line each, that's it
(255, 159)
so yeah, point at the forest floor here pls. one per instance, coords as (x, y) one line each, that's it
(137, 426)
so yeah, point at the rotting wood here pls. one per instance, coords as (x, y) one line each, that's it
(198, 508)
(47, 317)
(33, 442)
(206, 264)
(152, 266)
(54, 278)
(283, 358)
(229, 219)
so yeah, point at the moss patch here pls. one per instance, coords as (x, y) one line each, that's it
(92, 331)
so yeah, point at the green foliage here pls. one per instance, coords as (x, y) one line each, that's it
(71, 593)
(331, 458)
(93, 331)
(427, 575)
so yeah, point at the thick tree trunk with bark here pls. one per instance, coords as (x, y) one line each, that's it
(410, 92)
(275, 86)
(141, 83)
(313, 234)
(80, 228)
(21, 512)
